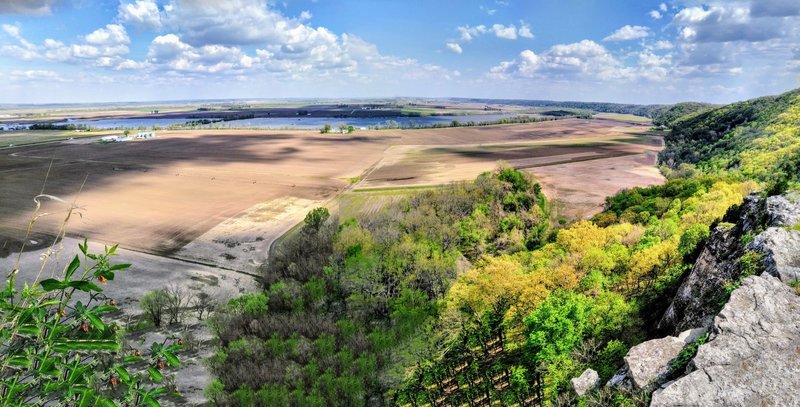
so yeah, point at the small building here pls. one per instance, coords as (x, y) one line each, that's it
(109, 139)
(146, 135)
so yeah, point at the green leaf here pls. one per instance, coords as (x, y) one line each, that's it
(121, 266)
(21, 361)
(66, 345)
(84, 285)
(72, 267)
(52, 284)
(123, 374)
(155, 375)
(171, 359)
(104, 308)
(97, 322)
(131, 359)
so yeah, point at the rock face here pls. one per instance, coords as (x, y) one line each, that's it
(781, 247)
(586, 382)
(753, 358)
(772, 219)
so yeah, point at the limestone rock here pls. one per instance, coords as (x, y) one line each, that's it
(690, 335)
(586, 382)
(648, 362)
(697, 299)
(783, 210)
(781, 247)
(754, 357)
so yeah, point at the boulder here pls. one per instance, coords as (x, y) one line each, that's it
(648, 362)
(783, 210)
(586, 382)
(754, 356)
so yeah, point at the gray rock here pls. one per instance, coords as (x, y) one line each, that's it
(586, 382)
(696, 301)
(690, 335)
(754, 359)
(620, 380)
(698, 298)
(648, 362)
(781, 248)
(783, 210)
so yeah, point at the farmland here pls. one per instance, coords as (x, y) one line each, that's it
(221, 197)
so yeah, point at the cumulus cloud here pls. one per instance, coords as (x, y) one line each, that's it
(469, 33)
(525, 30)
(655, 14)
(26, 7)
(628, 32)
(506, 32)
(509, 32)
(143, 14)
(454, 47)
(723, 24)
(102, 47)
(584, 59)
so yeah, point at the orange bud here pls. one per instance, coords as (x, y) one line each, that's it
(101, 279)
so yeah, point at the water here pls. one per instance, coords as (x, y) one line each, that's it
(146, 123)
(357, 122)
(299, 123)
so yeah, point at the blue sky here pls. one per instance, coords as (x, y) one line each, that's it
(633, 51)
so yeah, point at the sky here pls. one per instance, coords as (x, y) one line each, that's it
(629, 51)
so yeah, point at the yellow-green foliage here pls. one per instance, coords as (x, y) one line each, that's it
(780, 142)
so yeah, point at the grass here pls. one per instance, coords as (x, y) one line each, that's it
(19, 138)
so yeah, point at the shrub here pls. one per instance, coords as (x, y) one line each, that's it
(56, 343)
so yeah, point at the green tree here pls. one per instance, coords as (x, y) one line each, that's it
(325, 129)
(316, 218)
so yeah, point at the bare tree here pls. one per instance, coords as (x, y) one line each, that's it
(178, 299)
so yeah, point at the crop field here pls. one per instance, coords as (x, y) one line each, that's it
(222, 197)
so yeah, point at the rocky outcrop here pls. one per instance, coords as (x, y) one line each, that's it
(586, 382)
(770, 223)
(648, 363)
(781, 247)
(753, 356)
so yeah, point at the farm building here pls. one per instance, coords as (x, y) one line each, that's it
(115, 139)
(146, 135)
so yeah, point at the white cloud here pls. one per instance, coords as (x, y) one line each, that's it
(525, 30)
(469, 33)
(584, 59)
(454, 47)
(663, 44)
(26, 7)
(628, 32)
(506, 32)
(655, 14)
(102, 47)
(143, 14)
(725, 23)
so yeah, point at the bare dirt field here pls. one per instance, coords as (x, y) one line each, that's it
(579, 162)
(158, 195)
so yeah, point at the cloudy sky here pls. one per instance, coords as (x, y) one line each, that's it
(592, 50)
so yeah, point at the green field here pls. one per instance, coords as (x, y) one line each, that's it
(18, 138)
